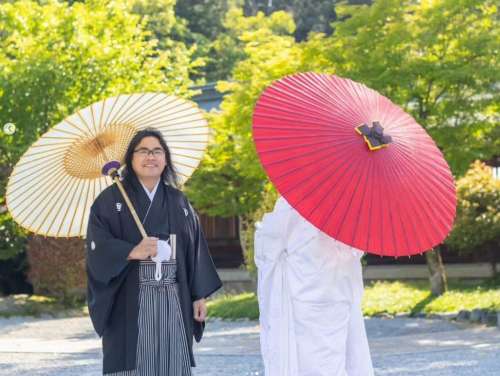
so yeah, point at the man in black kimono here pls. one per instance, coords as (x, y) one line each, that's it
(113, 275)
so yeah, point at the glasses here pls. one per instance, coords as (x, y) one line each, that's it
(144, 152)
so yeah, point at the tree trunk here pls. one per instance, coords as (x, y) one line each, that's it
(245, 223)
(242, 227)
(246, 240)
(493, 256)
(437, 278)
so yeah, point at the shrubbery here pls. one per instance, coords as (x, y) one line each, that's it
(477, 225)
(57, 267)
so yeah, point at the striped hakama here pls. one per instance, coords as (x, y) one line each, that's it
(162, 348)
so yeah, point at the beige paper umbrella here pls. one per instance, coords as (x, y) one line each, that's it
(53, 185)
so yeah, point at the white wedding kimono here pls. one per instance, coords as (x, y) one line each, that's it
(309, 289)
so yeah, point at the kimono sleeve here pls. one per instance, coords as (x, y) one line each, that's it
(204, 280)
(106, 265)
(106, 254)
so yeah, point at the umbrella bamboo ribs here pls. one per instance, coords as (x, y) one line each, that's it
(51, 189)
(354, 164)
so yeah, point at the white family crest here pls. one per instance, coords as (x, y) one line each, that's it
(119, 206)
(185, 212)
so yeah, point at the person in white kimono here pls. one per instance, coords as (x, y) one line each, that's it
(309, 290)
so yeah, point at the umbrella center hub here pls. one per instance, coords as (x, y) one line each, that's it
(87, 155)
(374, 136)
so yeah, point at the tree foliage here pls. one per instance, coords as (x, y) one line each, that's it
(205, 17)
(208, 26)
(56, 58)
(312, 15)
(159, 17)
(477, 224)
(437, 59)
(231, 180)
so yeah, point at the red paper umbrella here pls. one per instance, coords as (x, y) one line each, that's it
(354, 164)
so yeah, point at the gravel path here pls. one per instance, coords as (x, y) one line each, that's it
(63, 347)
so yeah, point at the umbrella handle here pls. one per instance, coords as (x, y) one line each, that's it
(130, 206)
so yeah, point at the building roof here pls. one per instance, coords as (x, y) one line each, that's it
(209, 98)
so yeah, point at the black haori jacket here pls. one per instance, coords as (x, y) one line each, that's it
(113, 281)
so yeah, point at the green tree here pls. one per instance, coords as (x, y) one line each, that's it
(437, 59)
(56, 58)
(158, 17)
(205, 17)
(312, 15)
(210, 27)
(197, 24)
(226, 49)
(231, 180)
(477, 225)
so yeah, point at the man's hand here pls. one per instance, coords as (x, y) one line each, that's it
(148, 247)
(200, 310)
